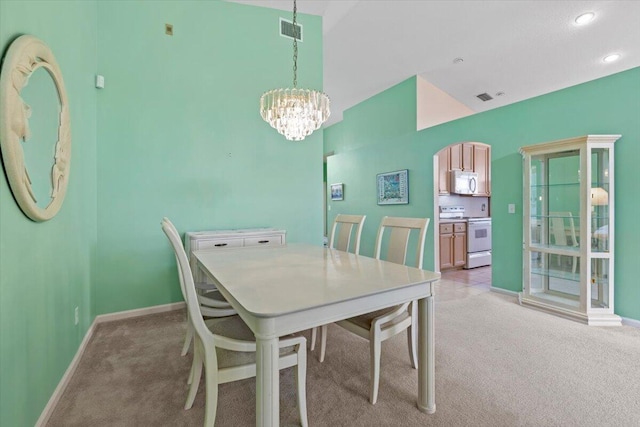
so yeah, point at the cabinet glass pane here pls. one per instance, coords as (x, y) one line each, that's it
(555, 199)
(599, 283)
(599, 200)
(553, 278)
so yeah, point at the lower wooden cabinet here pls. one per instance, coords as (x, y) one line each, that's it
(453, 245)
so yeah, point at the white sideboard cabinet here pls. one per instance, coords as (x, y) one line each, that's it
(222, 239)
(569, 228)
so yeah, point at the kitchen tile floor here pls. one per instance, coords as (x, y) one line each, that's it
(457, 284)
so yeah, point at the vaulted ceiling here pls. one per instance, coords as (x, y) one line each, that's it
(510, 49)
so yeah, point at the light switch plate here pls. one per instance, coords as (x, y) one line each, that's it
(512, 208)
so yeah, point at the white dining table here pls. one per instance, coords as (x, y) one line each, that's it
(280, 290)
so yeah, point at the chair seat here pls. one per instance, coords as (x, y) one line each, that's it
(234, 327)
(365, 320)
(214, 295)
(204, 286)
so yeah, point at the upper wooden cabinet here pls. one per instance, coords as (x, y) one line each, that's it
(444, 165)
(467, 156)
(482, 166)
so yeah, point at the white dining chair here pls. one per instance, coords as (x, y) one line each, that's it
(211, 300)
(383, 324)
(560, 230)
(226, 348)
(349, 228)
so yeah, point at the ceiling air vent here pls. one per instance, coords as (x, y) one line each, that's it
(287, 30)
(484, 97)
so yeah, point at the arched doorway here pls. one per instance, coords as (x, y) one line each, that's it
(462, 213)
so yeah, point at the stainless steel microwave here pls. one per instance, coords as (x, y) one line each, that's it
(463, 182)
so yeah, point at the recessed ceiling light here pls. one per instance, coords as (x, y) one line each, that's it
(585, 18)
(458, 60)
(612, 57)
(500, 93)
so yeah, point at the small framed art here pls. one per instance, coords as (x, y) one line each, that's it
(337, 191)
(393, 187)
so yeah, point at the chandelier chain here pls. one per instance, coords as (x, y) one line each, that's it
(295, 46)
(295, 113)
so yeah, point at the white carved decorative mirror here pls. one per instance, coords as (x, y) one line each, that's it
(35, 129)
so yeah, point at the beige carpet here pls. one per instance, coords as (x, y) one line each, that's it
(497, 364)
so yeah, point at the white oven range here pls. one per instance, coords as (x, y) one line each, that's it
(478, 242)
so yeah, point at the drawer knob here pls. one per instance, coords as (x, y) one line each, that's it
(263, 241)
(220, 244)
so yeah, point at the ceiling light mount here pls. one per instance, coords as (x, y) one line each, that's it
(611, 58)
(295, 113)
(585, 18)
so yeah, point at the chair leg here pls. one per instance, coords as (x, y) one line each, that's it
(412, 337)
(323, 342)
(314, 333)
(374, 368)
(191, 372)
(196, 369)
(301, 377)
(187, 339)
(211, 405)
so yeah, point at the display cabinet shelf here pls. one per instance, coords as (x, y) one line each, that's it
(568, 228)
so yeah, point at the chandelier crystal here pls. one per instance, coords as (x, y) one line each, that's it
(295, 113)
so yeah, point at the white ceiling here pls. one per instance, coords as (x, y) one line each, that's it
(521, 48)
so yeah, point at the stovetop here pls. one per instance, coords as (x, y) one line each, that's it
(458, 213)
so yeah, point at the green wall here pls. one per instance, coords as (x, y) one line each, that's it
(46, 268)
(176, 132)
(610, 105)
(180, 135)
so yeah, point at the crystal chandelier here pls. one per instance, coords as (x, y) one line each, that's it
(295, 113)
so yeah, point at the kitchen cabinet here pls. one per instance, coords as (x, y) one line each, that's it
(224, 239)
(444, 161)
(482, 166)
(468, 156)
(568, 207)
(453, 245)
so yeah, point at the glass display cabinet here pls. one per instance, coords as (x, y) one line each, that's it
(569, 228)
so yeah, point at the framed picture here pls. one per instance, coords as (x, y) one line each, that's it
(393, 187)
(337, 191)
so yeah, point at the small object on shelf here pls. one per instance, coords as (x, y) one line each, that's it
(569, 228)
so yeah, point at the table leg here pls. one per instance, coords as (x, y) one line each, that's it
(267, 382)
(426, 356)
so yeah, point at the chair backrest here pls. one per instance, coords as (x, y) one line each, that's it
(399, 238)
(186, 279)
(559, 228)
(346, 224)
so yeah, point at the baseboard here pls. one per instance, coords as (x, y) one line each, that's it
(504, 292)
(139, 312)
(64, 381)
(631, 322)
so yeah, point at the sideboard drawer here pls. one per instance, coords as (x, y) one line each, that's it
(263, 241)
(220, 243)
